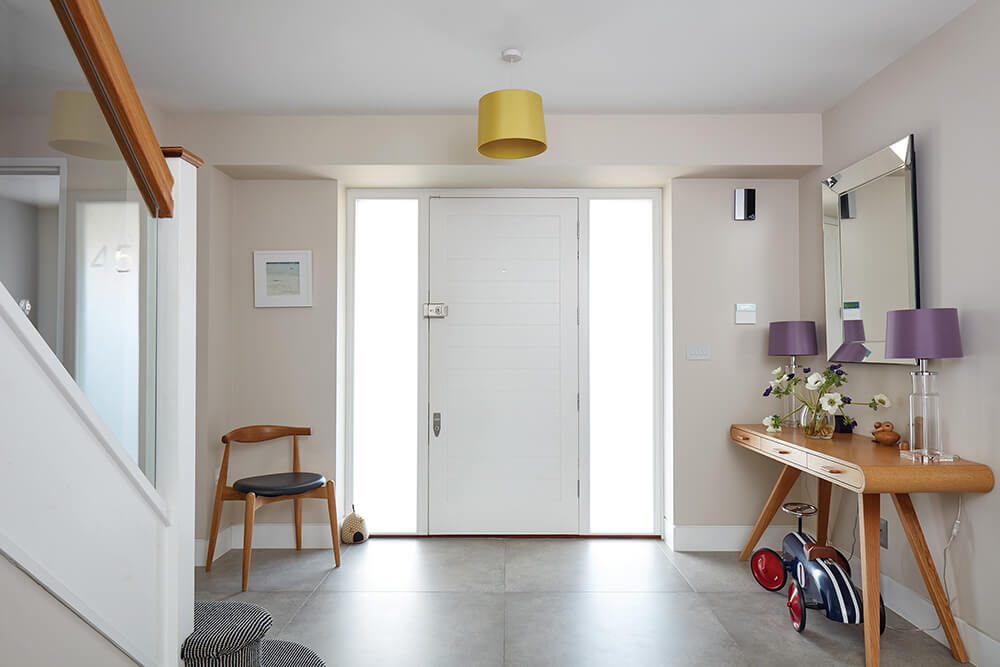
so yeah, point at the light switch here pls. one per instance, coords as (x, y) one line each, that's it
(699, 352)
(746, 313)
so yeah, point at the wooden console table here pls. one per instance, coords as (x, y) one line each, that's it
(855, 463)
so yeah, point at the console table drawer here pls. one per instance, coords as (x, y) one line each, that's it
(836, 472)
(789, 455)
(744, 438)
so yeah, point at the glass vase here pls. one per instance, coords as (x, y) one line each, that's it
(816, 424)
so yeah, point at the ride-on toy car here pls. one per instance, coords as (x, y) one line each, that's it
(821, 576)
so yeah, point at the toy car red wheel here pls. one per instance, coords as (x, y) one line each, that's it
(796, 607)
(768, 569)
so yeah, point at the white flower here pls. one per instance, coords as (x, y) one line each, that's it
(882, 401)
(814, 381)
(778, 371)
(830, 402)
(773, 423)
(775, 382)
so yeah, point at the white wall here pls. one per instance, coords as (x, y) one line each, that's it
(716, 263)
(945, 92)
(48, 274)
(19, 250)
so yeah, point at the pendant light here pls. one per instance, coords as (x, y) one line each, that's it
(77, 127)
(511, 121)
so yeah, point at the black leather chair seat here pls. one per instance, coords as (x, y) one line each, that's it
(280, 484)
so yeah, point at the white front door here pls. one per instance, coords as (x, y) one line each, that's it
(503, 403)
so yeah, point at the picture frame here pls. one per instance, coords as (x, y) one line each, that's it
(282, 278)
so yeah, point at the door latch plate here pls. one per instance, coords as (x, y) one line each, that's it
(436, 310)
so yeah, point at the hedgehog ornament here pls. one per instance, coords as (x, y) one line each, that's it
(354, 529)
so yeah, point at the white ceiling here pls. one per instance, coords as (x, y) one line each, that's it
(439, 56)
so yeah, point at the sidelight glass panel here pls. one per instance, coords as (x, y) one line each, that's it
(621, 306)
(385, 363)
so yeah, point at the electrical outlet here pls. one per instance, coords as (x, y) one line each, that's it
(883, 533)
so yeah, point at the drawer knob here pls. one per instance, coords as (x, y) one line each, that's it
(782, 451)
(832, 471)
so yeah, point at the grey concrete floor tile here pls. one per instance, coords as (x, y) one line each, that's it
(382, 628)
(616, 629)
(713, 571)
(536, 565)
(760, 624)
(422, 564)
(270, 570)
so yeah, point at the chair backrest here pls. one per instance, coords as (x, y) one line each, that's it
(263, 433)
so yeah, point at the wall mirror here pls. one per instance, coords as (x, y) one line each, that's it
(870, 251)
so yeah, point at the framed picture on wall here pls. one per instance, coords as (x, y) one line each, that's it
(282, 278)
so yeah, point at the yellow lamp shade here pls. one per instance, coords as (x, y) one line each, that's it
(511, 124)
(77, 127)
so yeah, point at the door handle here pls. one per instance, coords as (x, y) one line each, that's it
(437, 424)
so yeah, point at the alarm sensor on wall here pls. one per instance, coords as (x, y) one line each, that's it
(746, 204)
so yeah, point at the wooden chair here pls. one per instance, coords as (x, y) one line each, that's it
(264, 489)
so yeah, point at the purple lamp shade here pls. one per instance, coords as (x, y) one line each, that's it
(852, 349)
(796, 338)
(852, 352)
(924, 333)
(854, 331)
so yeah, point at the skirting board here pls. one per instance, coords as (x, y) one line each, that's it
(265, 536)
(983, 650)
(719, 538)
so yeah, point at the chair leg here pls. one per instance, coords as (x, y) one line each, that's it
(250, 508)
(331, 501)
(298, 523)
(214, 534)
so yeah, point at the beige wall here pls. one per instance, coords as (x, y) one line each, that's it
(215, 388)
(717, 263)
(944, 91)
(737, 139)
(38, 629)
(281, 361)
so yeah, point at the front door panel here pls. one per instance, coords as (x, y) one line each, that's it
(503, 456)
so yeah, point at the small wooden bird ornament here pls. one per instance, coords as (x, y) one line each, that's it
(884, 434)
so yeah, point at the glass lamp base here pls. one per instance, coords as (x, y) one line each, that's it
(923, 456)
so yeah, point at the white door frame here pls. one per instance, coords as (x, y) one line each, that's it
(585, 195)
(14, 165)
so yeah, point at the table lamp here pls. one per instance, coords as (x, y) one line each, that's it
(792, 339)
(922, 334)
(852, 349)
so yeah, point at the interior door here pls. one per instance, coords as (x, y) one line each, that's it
(503, 372)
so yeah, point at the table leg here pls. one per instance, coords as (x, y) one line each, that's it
(781, 488)
(911, 525)
(868, 508)
(823, 518)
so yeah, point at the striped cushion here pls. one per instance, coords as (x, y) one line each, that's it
(274, 653)
(248, 656)
(226, 628)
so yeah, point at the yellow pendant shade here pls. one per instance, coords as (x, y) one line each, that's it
(77, 127)
(511, 124)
